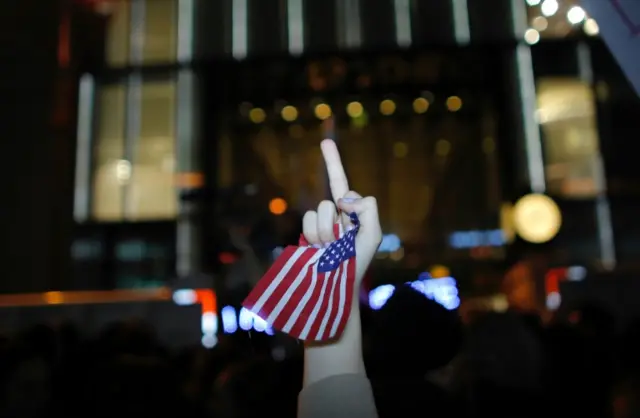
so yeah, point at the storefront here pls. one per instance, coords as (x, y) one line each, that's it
(444, 111)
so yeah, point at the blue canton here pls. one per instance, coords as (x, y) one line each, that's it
(340, 250)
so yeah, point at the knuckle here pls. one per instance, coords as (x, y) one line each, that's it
(325, 206)
(309, 215)
(370, 201)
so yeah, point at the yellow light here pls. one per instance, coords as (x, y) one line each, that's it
(54, 298)
(420, 105)
(454, 103)
(355, 109)
(387, 107)
(537, 218)
(323, 111)
(289, 113)
(257, 115)
(400, 149)
(438, 272)
(277, 206)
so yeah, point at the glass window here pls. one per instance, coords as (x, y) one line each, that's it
(152, 194)
(135, 180)
(557, 19)
(155, 24)
(160, 21)
(111, 169)
(566, 113)
(118, 33)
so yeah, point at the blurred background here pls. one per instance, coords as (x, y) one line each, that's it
(160, 153)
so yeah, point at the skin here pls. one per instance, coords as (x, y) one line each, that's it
(343, 355)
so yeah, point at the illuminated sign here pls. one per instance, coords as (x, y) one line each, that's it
(474, 239)
(443, 290)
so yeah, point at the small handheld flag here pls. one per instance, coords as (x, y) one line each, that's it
(307, 293)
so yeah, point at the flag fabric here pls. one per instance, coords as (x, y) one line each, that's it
(308, 291)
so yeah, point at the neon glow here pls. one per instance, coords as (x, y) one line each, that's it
(245, 320)
(443, 290)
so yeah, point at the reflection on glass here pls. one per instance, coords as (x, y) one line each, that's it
(110, 174)
(117, 36)
(158, 23)
(160, 33)
(566, 113)
(152, 195)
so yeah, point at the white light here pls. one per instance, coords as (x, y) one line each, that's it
(591, 27)
(532, 36)
(184, 297)
(576, 14)
(443, 290)
(533, 2)
(380, 295)
(540, 23)
(249, 321)
(209, 323)
(553, 301)
(123, 170)
(549, 7)
(246, 319)
(576, 273)
(209, 340)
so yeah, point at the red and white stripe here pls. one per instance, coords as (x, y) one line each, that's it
(297, 300)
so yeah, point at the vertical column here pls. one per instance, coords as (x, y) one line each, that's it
(239, 29)
(349, 24)
(523, 96)
(189, 176)
(604, 221)
(295, 27)
(82, 193)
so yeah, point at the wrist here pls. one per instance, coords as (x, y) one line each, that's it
(336, 357)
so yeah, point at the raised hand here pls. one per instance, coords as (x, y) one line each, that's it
(318, 226)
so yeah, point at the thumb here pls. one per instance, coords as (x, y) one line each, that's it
(370, 233)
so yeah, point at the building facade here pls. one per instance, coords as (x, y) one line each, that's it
(205, 111)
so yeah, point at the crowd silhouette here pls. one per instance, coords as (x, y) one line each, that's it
(422, 361)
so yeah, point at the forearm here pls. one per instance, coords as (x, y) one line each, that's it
(340, 357)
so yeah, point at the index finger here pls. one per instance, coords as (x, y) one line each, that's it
(337, 178)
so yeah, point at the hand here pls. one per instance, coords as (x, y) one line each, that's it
(318, 226)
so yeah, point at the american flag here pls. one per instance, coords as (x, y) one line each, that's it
(308, 291)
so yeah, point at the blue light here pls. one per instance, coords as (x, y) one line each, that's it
(246, 320)
(473, 239)
(380, 295)
(229, 320)
(443, 291)
(390, 243)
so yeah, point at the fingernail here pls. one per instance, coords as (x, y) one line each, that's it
(348, 199)
(327, 244)
(317, 246)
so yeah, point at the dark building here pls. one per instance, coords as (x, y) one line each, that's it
(194, 111)
(35, 214)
